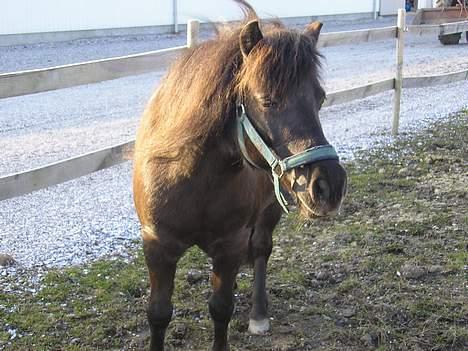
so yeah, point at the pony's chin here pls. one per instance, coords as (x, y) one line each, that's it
(306, 210)
(309, 211)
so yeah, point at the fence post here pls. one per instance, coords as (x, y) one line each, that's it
(193, 31)
(175, 14)
(401, 28)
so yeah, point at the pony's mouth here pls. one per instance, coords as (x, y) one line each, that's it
(312, 211)
(306, 209)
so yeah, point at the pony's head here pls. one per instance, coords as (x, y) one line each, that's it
(279, 88)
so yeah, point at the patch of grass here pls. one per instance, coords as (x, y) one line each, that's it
(348, 285)
(458, 260)
(96, 306)
(293, 276)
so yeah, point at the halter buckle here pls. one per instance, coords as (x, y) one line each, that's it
(277, 168)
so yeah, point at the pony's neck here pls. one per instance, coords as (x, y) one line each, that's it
(222, 150)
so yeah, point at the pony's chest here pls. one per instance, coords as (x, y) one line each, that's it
(223, 202)
(237, 201)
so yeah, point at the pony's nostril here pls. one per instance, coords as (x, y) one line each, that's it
(321, 190)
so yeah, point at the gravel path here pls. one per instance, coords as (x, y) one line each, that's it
(55, 125)
(93, 216)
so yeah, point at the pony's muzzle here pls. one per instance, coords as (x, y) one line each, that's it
(320, 189)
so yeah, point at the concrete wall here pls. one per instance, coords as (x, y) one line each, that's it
(40, 16)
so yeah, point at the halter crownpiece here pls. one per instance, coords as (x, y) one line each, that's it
(278, 166)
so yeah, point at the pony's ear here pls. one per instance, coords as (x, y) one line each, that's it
(250, 35)
(313, 30)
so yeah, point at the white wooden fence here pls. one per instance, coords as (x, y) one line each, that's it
(40, 80)
(35, 81)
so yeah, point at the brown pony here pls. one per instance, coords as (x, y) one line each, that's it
(200, 179)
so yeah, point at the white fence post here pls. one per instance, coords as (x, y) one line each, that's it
(399, 69)
(375, 8)
(193, 31)
(175, 15)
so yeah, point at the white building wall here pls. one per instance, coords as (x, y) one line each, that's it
(33, 16)
(38, 16)
(215, 10)
(390, 7)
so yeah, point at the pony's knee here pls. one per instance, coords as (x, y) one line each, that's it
(260, 244)
(159, 315)
(261, 241)
(221, 308)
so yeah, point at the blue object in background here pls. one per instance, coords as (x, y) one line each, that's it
(408, 6)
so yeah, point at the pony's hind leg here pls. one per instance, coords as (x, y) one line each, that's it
(260, 250)
(161, 262)
(221, 302)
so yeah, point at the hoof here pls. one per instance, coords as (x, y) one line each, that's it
(259, 327)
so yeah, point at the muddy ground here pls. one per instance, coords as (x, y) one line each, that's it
(390, 273)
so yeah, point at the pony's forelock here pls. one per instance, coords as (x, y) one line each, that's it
(279, 63)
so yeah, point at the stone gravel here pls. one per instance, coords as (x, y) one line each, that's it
(93, 216)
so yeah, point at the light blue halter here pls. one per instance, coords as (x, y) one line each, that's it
(278, 166)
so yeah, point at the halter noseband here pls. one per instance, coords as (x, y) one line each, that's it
(278, 166)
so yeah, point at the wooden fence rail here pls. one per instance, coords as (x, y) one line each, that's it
(66, 76)
(427, 81)
(439, 29)
(62, 171)
(361, 92)
(356, 36)
(40, 80)
(34, 81)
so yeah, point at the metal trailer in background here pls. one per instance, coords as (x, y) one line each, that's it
(444, 12)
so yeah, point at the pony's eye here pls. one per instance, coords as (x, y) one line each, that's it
(267, 102)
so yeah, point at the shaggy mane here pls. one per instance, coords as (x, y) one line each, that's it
(198, 96)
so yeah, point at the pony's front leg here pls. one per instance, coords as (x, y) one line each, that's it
(221, 302)
(259, 323)
(161, 262)
(260, 250)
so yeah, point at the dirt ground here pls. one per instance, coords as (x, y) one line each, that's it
(388, 274)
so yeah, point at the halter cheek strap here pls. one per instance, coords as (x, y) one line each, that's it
(278, 166)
